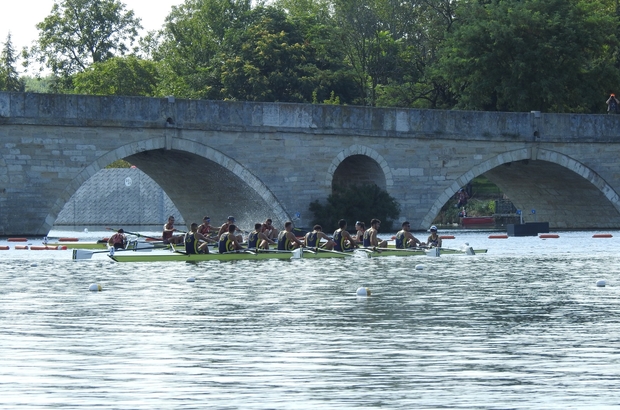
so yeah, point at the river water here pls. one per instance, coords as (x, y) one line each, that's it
(523, 326)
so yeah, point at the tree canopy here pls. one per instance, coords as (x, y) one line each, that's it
(78, 33)
(509, 55)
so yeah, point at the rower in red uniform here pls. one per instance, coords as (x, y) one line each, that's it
(168, 232)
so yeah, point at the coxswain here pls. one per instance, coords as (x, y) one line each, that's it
(433, 240)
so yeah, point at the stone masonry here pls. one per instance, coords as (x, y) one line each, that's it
(258, 160)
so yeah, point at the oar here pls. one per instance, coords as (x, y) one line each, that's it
(86, 254)
(336, 252)
(136, 234)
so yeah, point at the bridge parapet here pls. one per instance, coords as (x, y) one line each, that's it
(169, 112)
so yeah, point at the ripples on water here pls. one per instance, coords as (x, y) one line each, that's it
(522, 327)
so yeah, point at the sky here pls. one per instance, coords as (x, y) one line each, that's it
(20, 17)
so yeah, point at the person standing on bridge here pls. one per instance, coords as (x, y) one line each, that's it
(613, 105)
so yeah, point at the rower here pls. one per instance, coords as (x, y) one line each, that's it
(370, 236)
(405, 239)
(168, 233)
(270, 230)
(434, 240)
(192, 241)
(224, 228)
(228, 241)
(258, 238)
(343, 241)
(118, 240)
(313, 239)
(287, 240)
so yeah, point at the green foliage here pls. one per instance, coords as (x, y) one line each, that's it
(356, 203)
(9, 77)
(38, 84)
(545, 55)
(118, 76)
(78, 33)
(121, 163)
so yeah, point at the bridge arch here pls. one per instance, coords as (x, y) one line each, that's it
(595, 192)
(183, 150)
(354, 154)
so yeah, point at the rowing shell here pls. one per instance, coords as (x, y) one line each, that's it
(272, 254)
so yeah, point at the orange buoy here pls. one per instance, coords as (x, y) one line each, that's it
(68, 239)
(4, 248)
(21, 247)
(447, 236)
(498, 236)
(548, 235)
(602, 235)
(17, 240)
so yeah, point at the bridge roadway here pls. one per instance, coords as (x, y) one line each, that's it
(258, 160)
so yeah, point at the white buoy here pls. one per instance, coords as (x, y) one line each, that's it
(419, 267)
(95, 287)
(363, 292)
(191, 279)
(85, 230)
(601, 283)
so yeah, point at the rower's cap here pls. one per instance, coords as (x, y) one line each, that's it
(433, 228)
(121, 231)
(231, 218)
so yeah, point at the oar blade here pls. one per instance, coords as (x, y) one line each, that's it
(82, 254)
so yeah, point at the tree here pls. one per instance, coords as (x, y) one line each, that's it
(356, 203)
(79, 33)
(544, 55)
(9, 77)
(191, 44)
(118, 76)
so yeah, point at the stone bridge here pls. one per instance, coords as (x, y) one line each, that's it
(258, 160)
